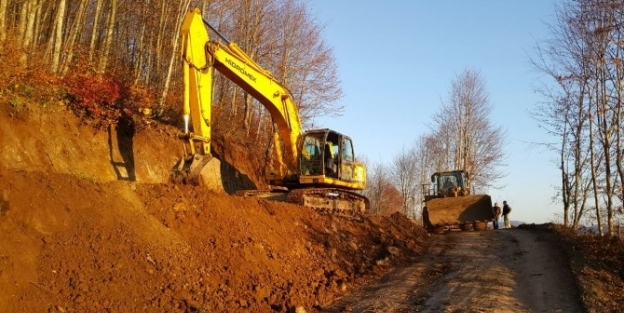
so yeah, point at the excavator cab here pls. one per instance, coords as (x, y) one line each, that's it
(328, 154)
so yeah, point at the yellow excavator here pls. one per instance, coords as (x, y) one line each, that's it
(449, 204)
(316, 168)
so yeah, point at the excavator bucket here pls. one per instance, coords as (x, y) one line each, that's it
(465, 212)
(202, 170)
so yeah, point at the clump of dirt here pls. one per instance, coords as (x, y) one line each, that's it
(80, 234)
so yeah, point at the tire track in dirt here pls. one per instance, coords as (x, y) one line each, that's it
(495, 271)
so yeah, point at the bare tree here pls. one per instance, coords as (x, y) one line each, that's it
(467, 140)
(566, 116)
(384, 197)
(95, 28)
(108, 37)
(584, 58)
(404, 173)
(56, 40)
(183, 7)
(313, 79)
(29, 14)
(74, 31)
(376, 180)
(252, 34)
(425, 154)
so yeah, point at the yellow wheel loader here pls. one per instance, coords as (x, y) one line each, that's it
(316, 168)
(449, 204)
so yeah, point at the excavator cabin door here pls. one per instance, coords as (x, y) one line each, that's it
(347, 164)
(328, 153)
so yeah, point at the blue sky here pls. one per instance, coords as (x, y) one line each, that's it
(396, 62)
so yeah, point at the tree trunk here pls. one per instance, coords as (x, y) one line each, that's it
(594, 174)
(182, 9)
(161, 35)
(28, 16)
(56, 40)
(95, 29)
(247, 116)
(75, 29)
(564, 181)
(108, 39)
(3, 23)
(140, 67)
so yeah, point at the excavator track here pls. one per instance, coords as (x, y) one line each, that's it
(324, 200)
(330, 200)
(268, 194)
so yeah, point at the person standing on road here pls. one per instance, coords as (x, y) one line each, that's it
(506, 211)
(497, 213)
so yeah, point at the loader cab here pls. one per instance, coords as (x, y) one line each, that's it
(450, 184)
(326, 153)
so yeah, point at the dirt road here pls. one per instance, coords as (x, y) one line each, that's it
(511, 270)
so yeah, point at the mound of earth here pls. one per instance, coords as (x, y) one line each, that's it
(89, 223)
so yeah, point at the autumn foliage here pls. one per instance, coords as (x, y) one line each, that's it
(94, 98)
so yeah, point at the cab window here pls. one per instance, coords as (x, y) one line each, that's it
(312, 148)
(347, 150)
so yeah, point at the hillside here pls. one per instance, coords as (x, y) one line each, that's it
(78, 235)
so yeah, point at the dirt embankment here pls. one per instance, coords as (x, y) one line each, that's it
(79, 236)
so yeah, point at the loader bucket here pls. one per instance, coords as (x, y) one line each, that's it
(202, 170)
(458, 211)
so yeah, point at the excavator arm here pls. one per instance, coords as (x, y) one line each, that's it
(201, 56)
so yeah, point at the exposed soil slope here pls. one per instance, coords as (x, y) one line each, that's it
(78, 235)
(89, 223)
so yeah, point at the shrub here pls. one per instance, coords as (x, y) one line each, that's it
(94, 98)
